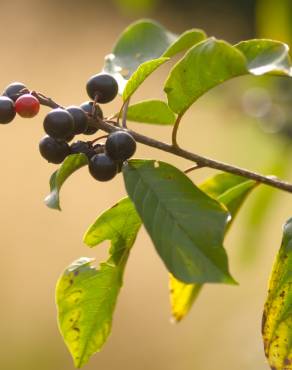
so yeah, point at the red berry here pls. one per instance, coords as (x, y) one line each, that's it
(27, 106)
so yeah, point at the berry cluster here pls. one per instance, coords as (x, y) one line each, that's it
(62, 124)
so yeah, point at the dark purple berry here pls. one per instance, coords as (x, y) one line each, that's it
(82, 147)
(102, 167)
(88, 108)
(53, 150)
(14, 90)
(103, 86)
(7, 110)
(59, 124)
(80, 119)
(120, 146)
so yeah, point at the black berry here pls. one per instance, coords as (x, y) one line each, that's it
(103, 86)
(120, 146)
(82, 147)
(88, 108)
(52, 150)
(69, 138)
(7, 110)
(13, 90)
(102, 167)
(80, 119)
(59, 124)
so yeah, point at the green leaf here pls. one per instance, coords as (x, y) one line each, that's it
(137, 78)
(266, 56)
(151, 111)
(120, 222)
(189, 240)
(86, 297)
(231, 191)
(185, 41)
(71, 164)
(141, 41)
(277, 317)
(204, 66)
(211, 62)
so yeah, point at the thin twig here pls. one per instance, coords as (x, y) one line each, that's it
(125, 111)
(98, 138)
(192, 168)
(175, 130)
(44, 100)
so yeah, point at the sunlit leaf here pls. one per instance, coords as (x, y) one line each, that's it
(231, 191)
(86, 296)
(151, 111)
(141, 41)
(71, 164)
(277, 317)
(211, 62)
(185, 41)
(142, 72)
(185, 225)
(204, 66)
(266, 56)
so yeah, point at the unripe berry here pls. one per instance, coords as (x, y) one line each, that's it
(103, 86)
(80, 119)
(7, 110)
(102, 167)
(120, 145)
(59, 124)
(13, 90)
(27, 106)
(52, 150)
(88, 108)
(82, 147)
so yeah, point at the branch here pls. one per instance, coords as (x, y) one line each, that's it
(111, 126)
(200, 160)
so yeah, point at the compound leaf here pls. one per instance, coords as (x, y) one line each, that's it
(86, 296)
(189, 240)
(151, 111)
(142, 72)
(71, 164)
(277, 316)
(231, 191)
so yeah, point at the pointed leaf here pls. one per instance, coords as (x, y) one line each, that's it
(266, 56)
(277, 317)
(71, 164)
(141, 41)
(185, 225)
(185, 41)
(204, 66)
(151, 111)
(86, 297)
(231, 191)
(137, 78)
(211, 62)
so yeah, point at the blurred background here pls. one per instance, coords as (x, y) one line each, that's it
(53, 47)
